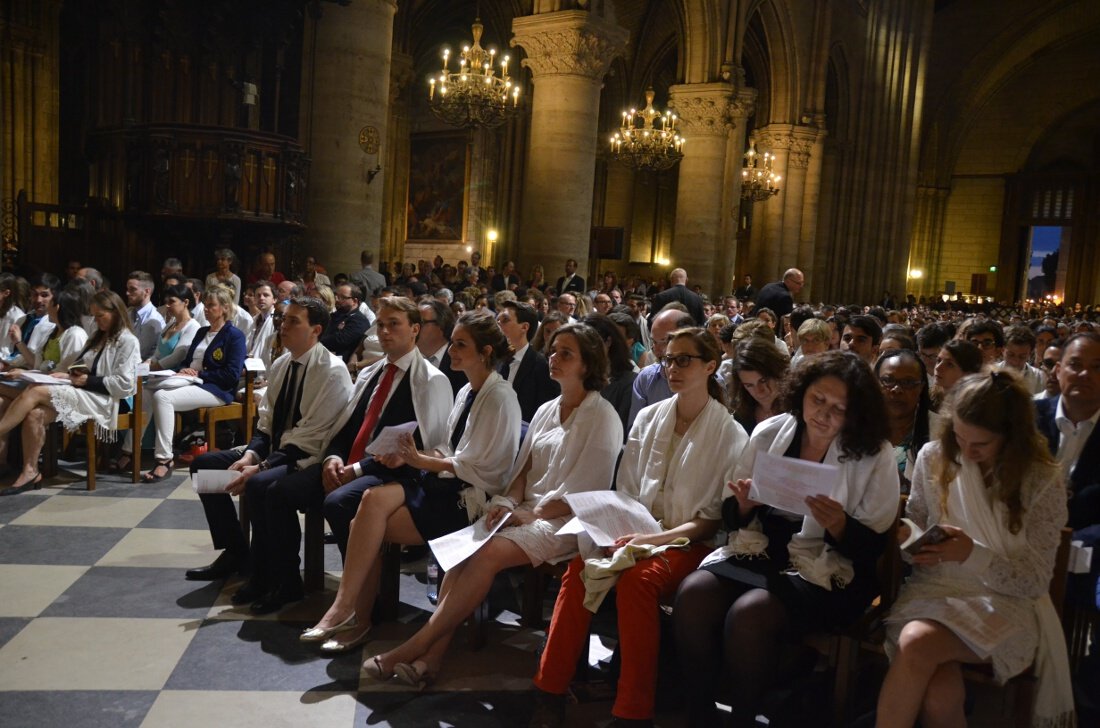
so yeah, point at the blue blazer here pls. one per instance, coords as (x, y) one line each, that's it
(1084, 484)
(223, 361)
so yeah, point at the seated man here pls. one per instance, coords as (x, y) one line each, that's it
(295, 416)
(347, 326)
(527, 370)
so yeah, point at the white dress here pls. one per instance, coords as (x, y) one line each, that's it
(566, 457)
(1011, 582)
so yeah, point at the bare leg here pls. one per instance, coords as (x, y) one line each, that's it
(34, 396)
(914, 685)
(34, 437)
(476, 576)
(7, 394)
(368, 530)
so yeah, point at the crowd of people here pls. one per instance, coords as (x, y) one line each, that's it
(514, 396)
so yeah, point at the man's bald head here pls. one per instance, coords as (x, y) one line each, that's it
(678, 277)
(665, 323)
(794, 280)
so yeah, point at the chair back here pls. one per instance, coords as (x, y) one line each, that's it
(1061, 571)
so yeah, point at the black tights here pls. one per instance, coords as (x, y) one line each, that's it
(727, 629)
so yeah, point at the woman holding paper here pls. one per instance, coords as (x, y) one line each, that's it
(453, 486)
(739, 618)
(108, 374)
(990, 483)
(680, 453)
(570, 447)
(216, 356)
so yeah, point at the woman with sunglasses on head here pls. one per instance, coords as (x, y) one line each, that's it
(909, 414)
(679, 453)
(570, 447)
(991, 485)
(739, 622)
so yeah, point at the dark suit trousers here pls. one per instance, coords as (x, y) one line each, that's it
(342, 504)
(274, 499)
(221, 516)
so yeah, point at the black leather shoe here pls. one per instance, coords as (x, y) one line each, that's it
(250, 592)
(225, 565)
(276, 600)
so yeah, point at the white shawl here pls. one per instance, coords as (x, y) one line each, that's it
(585, 458)
(431, 395)
(985, 522)
(488, 445)
(868, 489)
(326, 382)
(694, 476)
(118, 367)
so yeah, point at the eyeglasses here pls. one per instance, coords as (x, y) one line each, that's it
(682, 361)
(889, 382)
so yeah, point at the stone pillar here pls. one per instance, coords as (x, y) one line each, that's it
(926, 248)
(396, 153)
(704, 111)
(568, 53)
(350, 91)
(618, 208)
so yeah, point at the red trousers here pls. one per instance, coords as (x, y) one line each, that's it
(639, 592)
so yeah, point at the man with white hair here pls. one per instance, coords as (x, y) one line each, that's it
(679, 291)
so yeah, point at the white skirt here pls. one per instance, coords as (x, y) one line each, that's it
(75, 406)
(538, 540)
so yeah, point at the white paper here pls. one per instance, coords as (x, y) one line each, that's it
(572, 527)
(143, 369)
(786, 483)
(454, 548)
(388, 440)
(40, 378)
(157, 373)
(213, 481)
(254, 364)
(609, 514)
(1080, 558)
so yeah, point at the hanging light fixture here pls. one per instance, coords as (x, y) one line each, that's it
(475, 95)
(648, 147)
(758, 181)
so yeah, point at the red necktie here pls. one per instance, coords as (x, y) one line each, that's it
(374, 411)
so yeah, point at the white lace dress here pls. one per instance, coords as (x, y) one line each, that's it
(1011, 584)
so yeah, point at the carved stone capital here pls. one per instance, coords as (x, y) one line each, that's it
(798, 141)
(570, 42)
(703, 108)
(743, 104)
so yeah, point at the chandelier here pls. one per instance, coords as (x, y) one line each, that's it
(648, 147)
(474, 95)
(758, 181)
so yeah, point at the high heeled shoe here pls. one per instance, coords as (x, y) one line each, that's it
(34, 483)
(374, 670)
(336, 646)
(320, 634)
(414, 675)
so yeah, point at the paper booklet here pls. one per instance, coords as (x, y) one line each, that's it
(608, 515)
(919, 538)
(40, 378)
(786, 483)
(454, 548)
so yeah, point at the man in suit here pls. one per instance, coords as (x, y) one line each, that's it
(401, 387)
(779, 296)
(295, 415)
(263, 325)
(527, 370)
(746, 291)
(347, 326)
(679, 291)
(506, 280)
(437, 322)
(369, 280)
(570, 281)
(1069, 424)
(147, 321)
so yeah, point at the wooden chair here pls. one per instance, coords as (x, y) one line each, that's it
(1024, 685)
(128, 421)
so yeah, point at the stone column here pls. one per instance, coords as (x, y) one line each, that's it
(618, 207)
(704, 111)
(568, 53)
(350, 91)
(395, 157)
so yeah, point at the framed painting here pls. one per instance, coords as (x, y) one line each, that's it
(439, 187)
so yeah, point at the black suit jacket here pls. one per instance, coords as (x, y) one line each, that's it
(344, 332)
(576, 284)
(1084, 483)
(532, 385)
(457, 379)
(684, 295)
(777, 297)
(399, 410)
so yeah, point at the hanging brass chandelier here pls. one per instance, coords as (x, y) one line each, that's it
(653, 145)
(475, 95)
(758, 181)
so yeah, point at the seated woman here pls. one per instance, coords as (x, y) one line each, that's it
(768, 317)
(909, 415)
(110, 360)
(59, 351)
(620, 383)
(484, 428)
(956, 359)
(990, 483)
(175, 340)
(813, 338)
(551, 322)
(571, 446)
(758, 370)
(679, 454)
(216, 356)
(739, 621)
